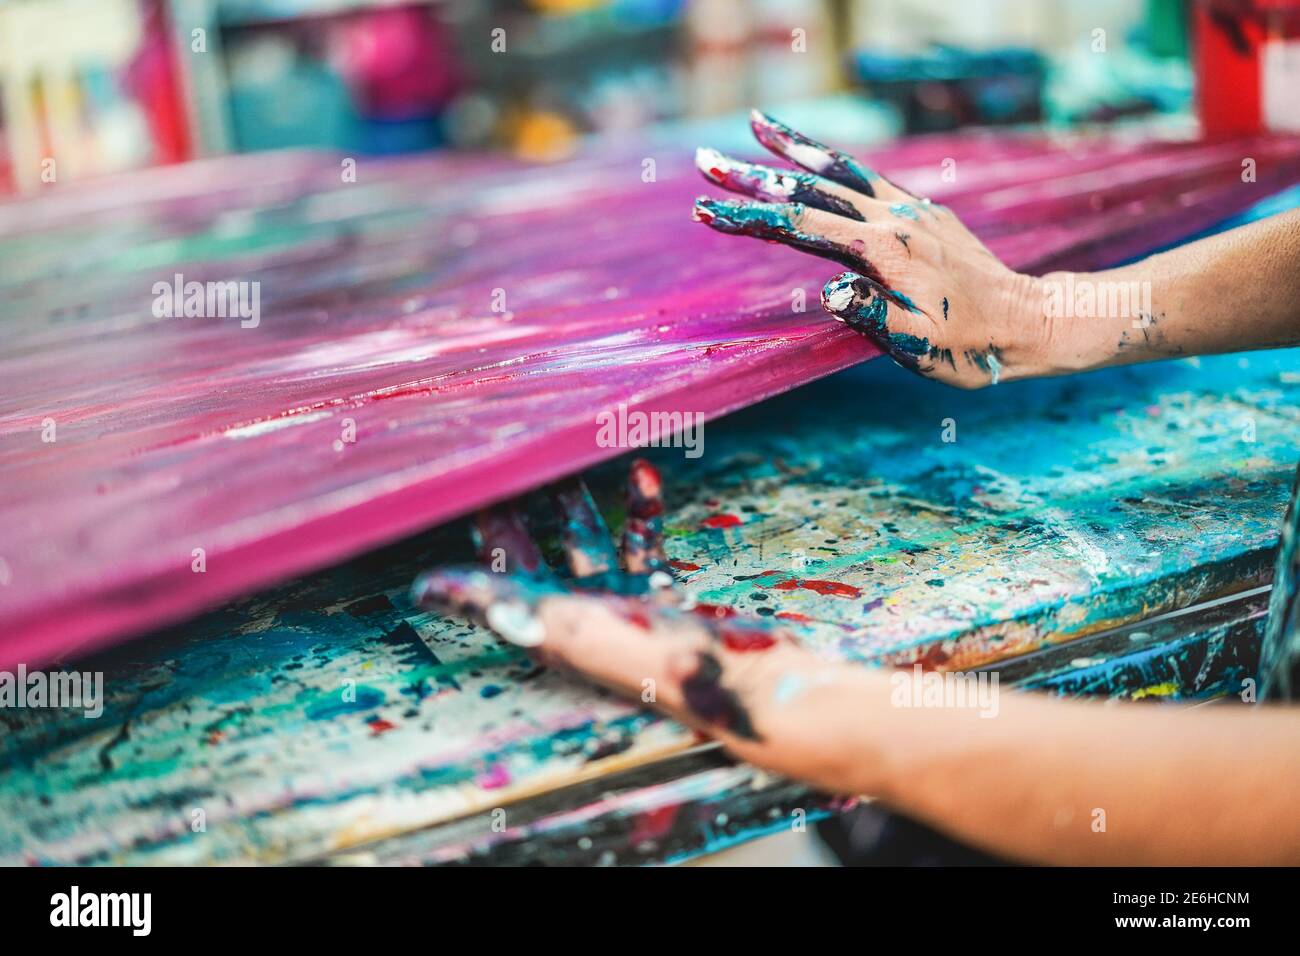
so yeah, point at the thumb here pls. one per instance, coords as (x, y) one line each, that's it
(887, 317)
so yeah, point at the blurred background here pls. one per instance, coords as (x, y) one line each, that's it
(101, 86)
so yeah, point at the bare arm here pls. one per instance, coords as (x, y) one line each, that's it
(1087, 783)
(1231, 292)
(1036, 781)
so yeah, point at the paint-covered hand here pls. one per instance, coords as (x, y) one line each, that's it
(744, 681)
(921, 285)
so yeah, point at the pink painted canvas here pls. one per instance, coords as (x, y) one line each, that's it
(434, 336)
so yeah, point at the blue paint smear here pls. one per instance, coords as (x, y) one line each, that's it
(335, 706)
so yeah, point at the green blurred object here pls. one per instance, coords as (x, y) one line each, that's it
(307, 105)
(1167, 28)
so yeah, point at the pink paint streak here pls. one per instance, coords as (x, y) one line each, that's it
(377, 315)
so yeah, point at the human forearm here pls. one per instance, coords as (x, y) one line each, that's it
(1235, 291)
(1175, 785)
(1060, 782)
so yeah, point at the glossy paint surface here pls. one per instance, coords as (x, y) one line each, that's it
(433, 336)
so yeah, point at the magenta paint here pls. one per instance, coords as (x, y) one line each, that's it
(377, 308)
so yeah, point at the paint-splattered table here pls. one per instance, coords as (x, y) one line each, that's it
(330, 720)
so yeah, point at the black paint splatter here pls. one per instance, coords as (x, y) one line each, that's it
(709, 700)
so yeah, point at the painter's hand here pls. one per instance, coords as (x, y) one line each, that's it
(922, 286)
(741, 680)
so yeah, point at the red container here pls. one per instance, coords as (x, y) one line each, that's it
(1247, 55)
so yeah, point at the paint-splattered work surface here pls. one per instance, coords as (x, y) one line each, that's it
(437, 334)
(328, 713)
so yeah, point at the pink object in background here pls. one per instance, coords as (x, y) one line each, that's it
(399, 62)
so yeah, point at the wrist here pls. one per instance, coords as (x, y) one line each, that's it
(1084, 322)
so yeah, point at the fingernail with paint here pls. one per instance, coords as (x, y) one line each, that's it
(504, 602)
(859, 304)
(798, 148)
(718, 213)
(644, 490)
(772, 185)
(764, 220)
(839, 295)
(587, 544)
(769, 130)
(702, 211)
(643, 551)
(851, 299)
(711, 163)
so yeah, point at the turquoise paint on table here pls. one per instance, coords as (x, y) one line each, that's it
(329, 713)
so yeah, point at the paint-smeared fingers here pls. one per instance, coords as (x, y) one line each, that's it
(832, 164)
(813, 156)
(720, 675)
(768, 701)
(643, 532)
(506, 603)
(780, 185)
(809, 230)
(621, 642)
(739, 680)
(665, 658)
(888, 317)
(588, 546)
(503, 541)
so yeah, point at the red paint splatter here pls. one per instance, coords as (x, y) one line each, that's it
(934, 658)
(638, 617)
(654, 824)
(684, 565)
(744, 641)
(721, 521)
(714, 610)
(379, 726)
(792, 616)
(833, 588)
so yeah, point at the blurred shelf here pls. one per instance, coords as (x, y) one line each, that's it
(238, 13)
